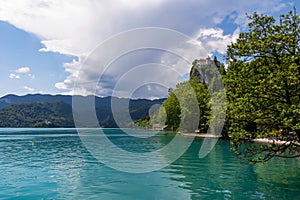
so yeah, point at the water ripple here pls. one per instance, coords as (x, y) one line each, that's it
(57, 166)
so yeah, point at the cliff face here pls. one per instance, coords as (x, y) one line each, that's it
(205, 69)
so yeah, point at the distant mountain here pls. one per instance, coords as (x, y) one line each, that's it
(37, 114)
(39, 110)
(29, 98)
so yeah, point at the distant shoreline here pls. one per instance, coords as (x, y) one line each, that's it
(196, 135)
(201, 135)
(258, 140)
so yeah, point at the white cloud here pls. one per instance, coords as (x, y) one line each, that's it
(29, 89)
(23, 70)
(76, 27)
(61, 85)
(12, 76)
(213, 39)
(32, 76)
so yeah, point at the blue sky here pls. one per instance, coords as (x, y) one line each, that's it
(20, 49)
(43, 43)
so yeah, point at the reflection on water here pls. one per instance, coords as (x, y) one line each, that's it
(221, 176)
(57, 166)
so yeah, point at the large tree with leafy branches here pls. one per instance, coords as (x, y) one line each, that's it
(263, 87)
(179, 109)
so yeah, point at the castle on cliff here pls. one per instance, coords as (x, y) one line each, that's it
(205, 68)
(205, 61)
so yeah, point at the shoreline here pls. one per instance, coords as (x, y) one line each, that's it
(201, 135)
(274, 141)
(258, 140)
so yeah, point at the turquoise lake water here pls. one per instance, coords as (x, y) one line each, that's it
(58, 166)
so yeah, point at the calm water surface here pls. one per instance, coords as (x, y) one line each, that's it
(58, 166)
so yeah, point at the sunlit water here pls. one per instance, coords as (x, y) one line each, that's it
(54, 164)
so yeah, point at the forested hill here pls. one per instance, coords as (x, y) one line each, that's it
(32, 98)
(37, 110)
(46, 114)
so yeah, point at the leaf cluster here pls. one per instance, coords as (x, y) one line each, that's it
(263, 86)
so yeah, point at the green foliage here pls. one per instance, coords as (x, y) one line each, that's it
(177, 111)
(143, 123)
(38, 110)
(172, 110)
(50, 114)
(263, 86)
(206, 88)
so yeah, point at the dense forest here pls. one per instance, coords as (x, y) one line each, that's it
(46, 114)
(36, 110)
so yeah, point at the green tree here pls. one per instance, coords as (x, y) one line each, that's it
(263, 87)
(179, 107)
(172, 110)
